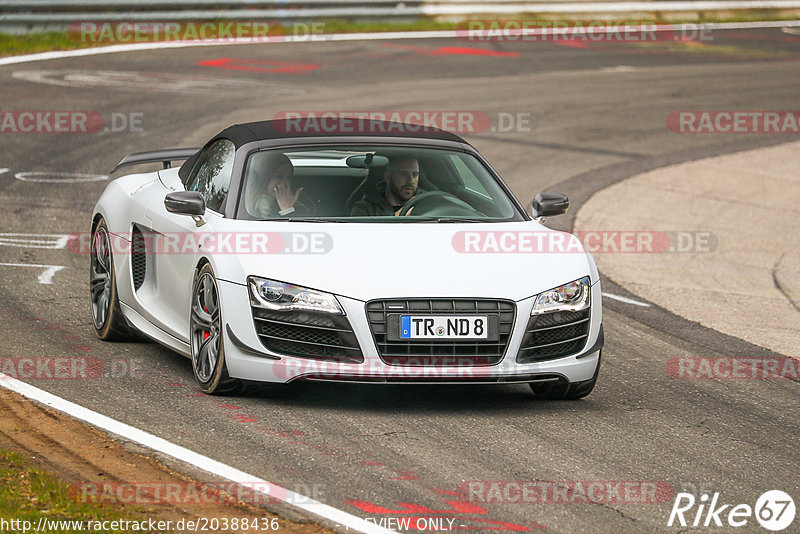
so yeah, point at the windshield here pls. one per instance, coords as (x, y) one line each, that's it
(372, 184)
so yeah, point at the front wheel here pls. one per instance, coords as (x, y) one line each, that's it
(205, 326)
(107, 319)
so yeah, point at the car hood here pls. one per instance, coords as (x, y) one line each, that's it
(367, 261)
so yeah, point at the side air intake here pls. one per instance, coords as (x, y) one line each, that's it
(138, 257)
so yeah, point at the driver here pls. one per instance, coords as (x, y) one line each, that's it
(400, 183)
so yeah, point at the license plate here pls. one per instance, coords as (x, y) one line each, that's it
(444, 327)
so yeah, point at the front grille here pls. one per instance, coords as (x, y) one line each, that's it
(308, 335)
(554, 335)
(445, 353)
(138, 258)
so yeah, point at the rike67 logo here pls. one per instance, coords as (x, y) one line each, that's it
(774, 510)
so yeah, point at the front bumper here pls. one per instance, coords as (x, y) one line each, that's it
(247, 359)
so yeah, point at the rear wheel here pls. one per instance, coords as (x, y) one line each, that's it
(208, 350)
(109, 324)
(565, 390)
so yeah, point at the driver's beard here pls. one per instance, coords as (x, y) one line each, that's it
(399, 194)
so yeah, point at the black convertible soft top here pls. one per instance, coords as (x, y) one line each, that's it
(320, 126)
(329, 126)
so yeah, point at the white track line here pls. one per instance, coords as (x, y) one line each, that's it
(177, 452)
(606, 7)
(443, 34)
(46, 241)
(46, 277)
(626, 300)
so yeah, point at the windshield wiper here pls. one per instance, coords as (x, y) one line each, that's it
(369, 219)
(458, 220)
(304, 219)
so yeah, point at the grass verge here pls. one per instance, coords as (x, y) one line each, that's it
(27, 494)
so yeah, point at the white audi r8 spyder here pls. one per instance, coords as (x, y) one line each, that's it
(384, 253)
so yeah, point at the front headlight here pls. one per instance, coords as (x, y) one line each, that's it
(279, 296)
(573, 296)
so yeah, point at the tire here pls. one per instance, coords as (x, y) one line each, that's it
(107, 319)
(206, 338)
(566, 390)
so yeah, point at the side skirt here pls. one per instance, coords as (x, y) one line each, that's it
(153, 332)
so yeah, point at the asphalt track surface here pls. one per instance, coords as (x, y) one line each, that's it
(376, 451)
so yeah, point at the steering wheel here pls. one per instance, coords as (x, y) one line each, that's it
(435, 199)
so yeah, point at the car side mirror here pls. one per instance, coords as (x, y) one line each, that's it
(185, 203)
(549, 205)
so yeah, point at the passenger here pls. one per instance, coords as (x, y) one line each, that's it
(271, 195)
(400, 184)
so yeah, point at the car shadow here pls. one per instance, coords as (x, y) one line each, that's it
(412, 398)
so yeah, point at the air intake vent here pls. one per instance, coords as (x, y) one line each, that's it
(554, 335)
(138, 258)
(308, 335)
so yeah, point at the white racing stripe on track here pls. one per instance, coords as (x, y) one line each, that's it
(46, 277)
(59, 177)
(605, 7)
(442, 34)
(46, 241)
(185, 455)
(626, 300)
